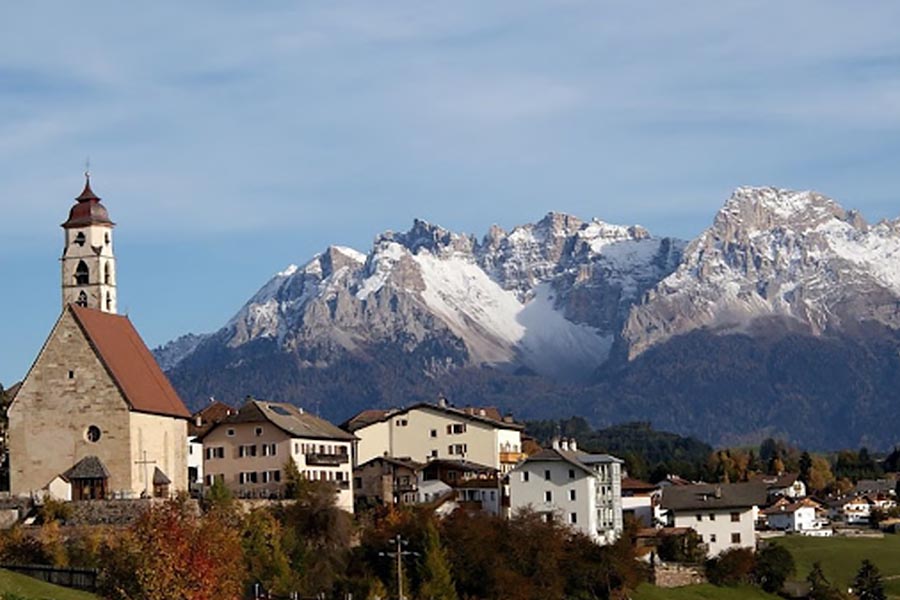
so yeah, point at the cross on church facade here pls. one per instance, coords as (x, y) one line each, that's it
(146, 464)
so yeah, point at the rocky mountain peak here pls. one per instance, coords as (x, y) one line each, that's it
(424, 235)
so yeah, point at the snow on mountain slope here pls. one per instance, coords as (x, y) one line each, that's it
(774, 252)
(549, 296)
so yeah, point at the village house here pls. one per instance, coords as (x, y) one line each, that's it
(802, 516)
(640, 501)
(579, 489)
(426, 432)
(248, 451)
(202, 421)
(787, 485)
(386, 480)
(95, 417)
(723, 514)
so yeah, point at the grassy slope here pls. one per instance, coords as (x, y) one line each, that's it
(32, 589)
(701, 592)
(841, 557)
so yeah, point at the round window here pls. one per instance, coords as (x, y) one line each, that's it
(93, 433)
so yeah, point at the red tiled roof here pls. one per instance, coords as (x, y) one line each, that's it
(129, 362)
(213, 413)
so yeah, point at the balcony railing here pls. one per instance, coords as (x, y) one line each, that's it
(511, 457)
(328, 460)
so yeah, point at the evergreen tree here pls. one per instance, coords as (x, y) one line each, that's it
(868, 585)
(820, 587)
(774, 564)
(805, 467)
(437, 580)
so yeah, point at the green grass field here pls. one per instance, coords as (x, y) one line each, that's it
(32, 589)
(701, 592)
(841, 557)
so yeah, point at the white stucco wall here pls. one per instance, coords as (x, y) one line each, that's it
(716, 527)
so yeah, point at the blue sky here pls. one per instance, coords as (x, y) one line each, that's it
(230, 139)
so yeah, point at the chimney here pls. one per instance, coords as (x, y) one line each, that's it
(554, 443)
(718, 491)
(573, 445)
(442, 402)
(198, 420)
(481, 412)
(564, 444)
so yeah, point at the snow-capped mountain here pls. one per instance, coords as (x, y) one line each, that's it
(550, 297)
(776, 253)
(782, 318)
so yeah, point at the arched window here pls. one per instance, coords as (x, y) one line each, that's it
(106, 274)
(82, 275)
(79, 239)
(108, 302)
(82, 299)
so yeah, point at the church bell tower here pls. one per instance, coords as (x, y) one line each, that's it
(88, 262)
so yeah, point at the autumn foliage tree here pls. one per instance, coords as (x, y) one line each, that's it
(173, 552)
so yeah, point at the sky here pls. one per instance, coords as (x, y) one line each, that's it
(231, 139)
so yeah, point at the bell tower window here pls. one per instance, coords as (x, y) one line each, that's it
(108, 302)
(80, 239)
(82, 299)
(82, 275)
(106, 275)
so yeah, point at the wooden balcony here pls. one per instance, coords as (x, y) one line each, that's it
(327, 460)
(512, 457)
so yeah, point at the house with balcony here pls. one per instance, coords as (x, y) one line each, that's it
(386, 480)
(804, 516)
(424, 432)
(723, 514)
(249, 450)
(580, 489)
(786, 485)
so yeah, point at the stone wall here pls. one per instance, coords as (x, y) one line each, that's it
(113, 512)
(671, 575)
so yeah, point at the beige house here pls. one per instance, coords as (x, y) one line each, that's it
(95, 412)
(248, 451)
(426, 431)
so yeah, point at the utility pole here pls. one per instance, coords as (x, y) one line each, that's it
(399, 553)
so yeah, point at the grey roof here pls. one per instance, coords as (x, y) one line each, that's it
(582, 460)
(777, 482)
(400, 462)
(869, 486)
(287, 417)
(461, 464)
(89, 467)
(159, 478)
(368, 417)
(706, 496)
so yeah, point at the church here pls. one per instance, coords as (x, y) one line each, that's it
(95, 417)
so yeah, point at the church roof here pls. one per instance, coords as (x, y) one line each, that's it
(129, 362)
(89, 210)
(89, 467)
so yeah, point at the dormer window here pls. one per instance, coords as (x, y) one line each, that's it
(80, 239)
(82, 273)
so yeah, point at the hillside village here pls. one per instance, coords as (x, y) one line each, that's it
(96, 432)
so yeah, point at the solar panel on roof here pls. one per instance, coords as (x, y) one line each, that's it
(280, 410)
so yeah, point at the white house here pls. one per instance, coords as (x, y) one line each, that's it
(582, 490)
(640, 500)
(797, 517)
(722, 514)
(424, 432)
(249, 450)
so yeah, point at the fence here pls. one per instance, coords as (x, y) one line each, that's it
(82, 579)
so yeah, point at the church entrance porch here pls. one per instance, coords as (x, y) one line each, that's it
(89, 479)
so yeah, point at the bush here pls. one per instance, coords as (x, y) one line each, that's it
(732, 567)
(774, 564)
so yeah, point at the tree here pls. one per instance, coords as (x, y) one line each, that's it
(820, 475)
(731, 567)
(686, 548)
(267, 563)
(805, 467)
(820, 587)
(868, 585)
(437, 580)
(774, 564)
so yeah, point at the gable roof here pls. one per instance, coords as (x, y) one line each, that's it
(208, 416)
(89, 467)
(776, 482)
(581, 460)
(488, 415)
(129, 362)
(397, 462)
(705, 496)
(160, 478)
(287, 417)
(790, 507)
